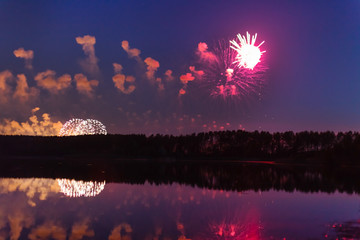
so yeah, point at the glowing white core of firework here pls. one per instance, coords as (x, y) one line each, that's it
(248, 55)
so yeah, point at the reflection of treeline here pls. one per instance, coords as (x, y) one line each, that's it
(234, 176)
(211, 145)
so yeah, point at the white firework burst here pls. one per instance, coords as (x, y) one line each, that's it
(76, 127)
(248, 55)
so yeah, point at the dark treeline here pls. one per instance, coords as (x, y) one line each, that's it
(211, 145)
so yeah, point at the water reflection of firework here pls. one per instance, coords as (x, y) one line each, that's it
(75, 127)
(235, 231)
(236, 224)
(224, 78)
(73, 188)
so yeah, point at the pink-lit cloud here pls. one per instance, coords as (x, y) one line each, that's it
(168, 75)
(197, 73)
(188, 77)
(48, 81)
(84, 86)
(90, 64)
(204, 54)
(27, 55)
(182, 91)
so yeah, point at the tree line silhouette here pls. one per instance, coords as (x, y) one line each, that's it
(231, 145)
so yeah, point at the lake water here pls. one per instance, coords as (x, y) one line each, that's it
(46, 208)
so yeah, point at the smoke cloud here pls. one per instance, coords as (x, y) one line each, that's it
(48, 81)
(49, 230)
(168, 75)
(5, 77)
(30, 186)
(84, 86)
(204, 54)
(28, 55)
(152, 66)
(117, 68)
(199, 73)
(119, 80)
(22, 91)
(90, 63)
(81, 230)
(132, 52)
(121, 231)
(188, 77)
(33, 126)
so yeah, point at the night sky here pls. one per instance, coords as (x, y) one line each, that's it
(312, 81)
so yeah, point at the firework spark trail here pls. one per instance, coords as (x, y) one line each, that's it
(76, 126)
(248, 55)
(224, 78)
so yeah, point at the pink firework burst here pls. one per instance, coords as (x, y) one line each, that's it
(224, 78)
(248, 55)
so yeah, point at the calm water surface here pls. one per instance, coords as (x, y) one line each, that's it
(42, 208)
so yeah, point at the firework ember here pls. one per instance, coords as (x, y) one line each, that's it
(248, 55)
(76, 126)
(73, 188)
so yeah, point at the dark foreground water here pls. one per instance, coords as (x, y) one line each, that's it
(46, 208)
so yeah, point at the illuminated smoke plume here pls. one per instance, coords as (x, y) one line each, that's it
(121, 231)
(27, 55)
(132, 52)
(119, 80)
(22, 91)
(168, 75)
(117, 68)
(33, 126)
(33, 187)
(48, 81)
(73, 188)
(188, 77)
(5, 77)
(76, 126)
(204, 54)
(152, 65)
(90, 63)
(81, 229)
(49, 230)
(84, 86)
(198, 73)
(248, 55)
